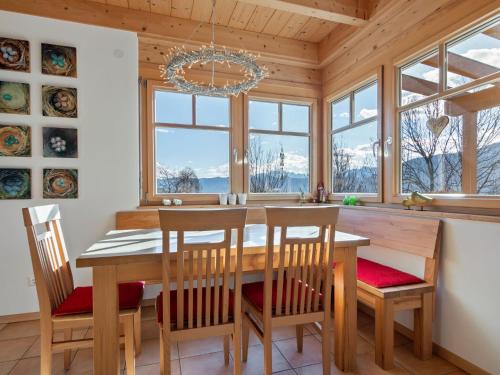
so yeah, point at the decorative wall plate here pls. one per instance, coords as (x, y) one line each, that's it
(14, 98)
(59, 102)
(15, 183)
(58, 60)
(15, 140)
(60, 183)
(60, 143)
(14, 54)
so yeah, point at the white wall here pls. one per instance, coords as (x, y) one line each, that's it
(468, 299)
(108, 161)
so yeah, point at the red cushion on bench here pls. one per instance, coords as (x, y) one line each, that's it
(254, 293)
(80, 299)
(173, 305)
(380, 276)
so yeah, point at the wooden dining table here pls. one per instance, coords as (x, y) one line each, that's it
(132, 255)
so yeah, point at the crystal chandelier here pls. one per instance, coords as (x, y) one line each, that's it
(173, 71)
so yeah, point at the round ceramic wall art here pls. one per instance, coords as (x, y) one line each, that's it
(60, 183)
(59, 102)
(15, 54)
(15, 183)
(15, 140)
(14, 98)
(58, 60)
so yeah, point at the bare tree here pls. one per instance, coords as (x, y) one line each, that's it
(185, 181)
(488, 151)
(266, 172)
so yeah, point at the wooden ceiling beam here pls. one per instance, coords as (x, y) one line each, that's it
(270, 48)
(347, 12)
(463, 66)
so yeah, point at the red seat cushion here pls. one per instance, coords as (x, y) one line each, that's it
(254, 293)
(80, 299)
(380, 276)
(173, 304)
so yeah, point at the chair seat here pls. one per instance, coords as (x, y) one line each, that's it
(173, 305)
(254, 293)
(80, 300)
(380, 276)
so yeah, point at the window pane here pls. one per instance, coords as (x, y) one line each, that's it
(295, 118)
(173, 108)
(488, 151)
(474, 57)
(278, 163)
(341, 113)
(365, 103)
(431, 157)
(353, 160)
(263, 115)
(419, 79)
(212, 111)
(192, 161)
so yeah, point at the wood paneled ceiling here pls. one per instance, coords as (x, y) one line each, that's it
(246, 15)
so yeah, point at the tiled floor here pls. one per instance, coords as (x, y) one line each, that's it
(19, 354)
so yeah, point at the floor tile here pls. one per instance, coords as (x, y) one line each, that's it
(366, 366)
(286, 372)
(15, 349)
(150, 353)
(367, 331)
(5, 367)
(311, 351)
(34, 351)
(150, 329)
(155, 369)
(255, 363)
(21, 329)
(212, 364)
(197, 347)
(148, 313)
(32, 365)
(362, 345)
(318, 370)
(284, 333)
(434, 366)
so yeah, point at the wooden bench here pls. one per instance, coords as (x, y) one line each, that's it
(414, 235)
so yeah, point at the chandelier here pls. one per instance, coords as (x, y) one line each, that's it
(179, 58)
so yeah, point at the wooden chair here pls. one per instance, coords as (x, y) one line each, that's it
(62, 306)
(388, 290)
(198, 312)
(301, 294)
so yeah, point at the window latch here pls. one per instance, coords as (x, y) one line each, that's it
(387, 143)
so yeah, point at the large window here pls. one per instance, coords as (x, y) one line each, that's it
(192, 143)
(278, 151)
(355, 141)
(449, 117)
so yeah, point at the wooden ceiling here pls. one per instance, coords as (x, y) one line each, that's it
(250, 15)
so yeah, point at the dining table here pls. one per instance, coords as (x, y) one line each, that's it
(136, 254)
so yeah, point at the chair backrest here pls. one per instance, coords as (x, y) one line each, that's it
(306, 263)
(210, 260)
(419, 236)
(51, 266)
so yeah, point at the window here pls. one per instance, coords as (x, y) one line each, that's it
(449, 139)
(278, 146)
(355, 141)
(192, 143)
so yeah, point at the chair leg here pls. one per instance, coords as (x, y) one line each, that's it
(299, 330)
(45, 347)
(164, 352)
(325, 343)
(384, 333)
(129, 344)
(268, 351)
(237, 347)
(423, 328)
(226, 350)
(245, 339)
(68, 336)
(137, 332)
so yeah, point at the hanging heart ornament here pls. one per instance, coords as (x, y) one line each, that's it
(437, 125)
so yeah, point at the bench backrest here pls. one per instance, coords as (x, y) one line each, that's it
(416, 235)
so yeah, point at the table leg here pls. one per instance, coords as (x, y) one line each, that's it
(345, 309)
(106, 321)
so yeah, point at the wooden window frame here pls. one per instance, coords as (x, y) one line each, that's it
(452, 199)
(313, 142)
(349, 91)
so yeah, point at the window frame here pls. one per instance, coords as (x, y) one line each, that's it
(313, 142)
(151, 196)
(440, 199)
(350, 91)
